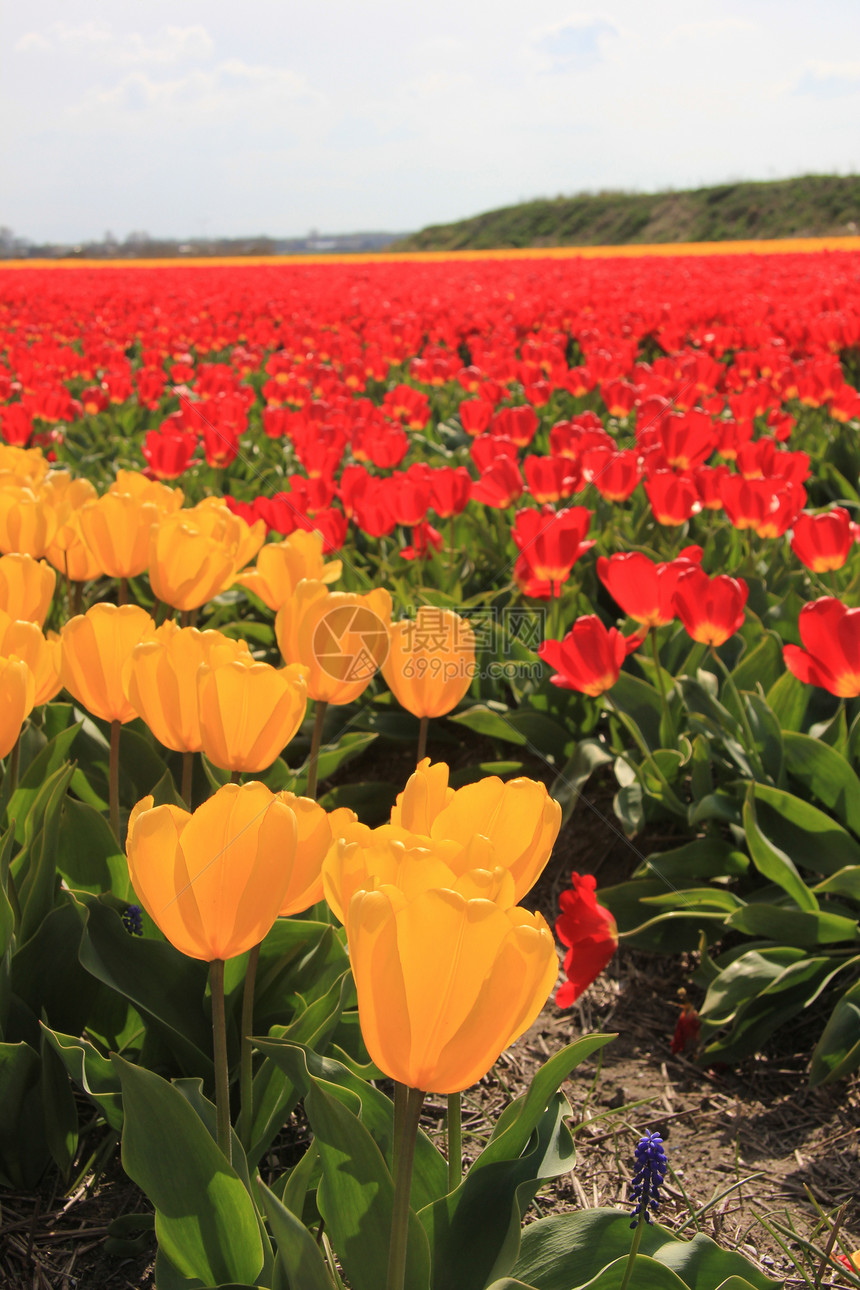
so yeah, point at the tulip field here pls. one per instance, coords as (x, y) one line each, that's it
(333, 597)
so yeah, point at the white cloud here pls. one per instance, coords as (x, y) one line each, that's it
(169, 45)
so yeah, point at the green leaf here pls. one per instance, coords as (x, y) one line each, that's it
(493, 724)
(298, 1257)
(767, 735)
(304, 1067)
(772, 861)
(796, 988)
(566, 1251)
(89, 856)
(355, 1197)
(845, 882)
(677, 930)
(794, 827)
(47, 976)
(35, 867)
(647, 1274)
(587, 757)
(91, 1071)
(825, 774)
(762, 665)
(347, 747)
(793, 926)
(49, 763)
(743, 979)
(708, 857)
(205, 1219)
(164, 985)
(23, 1150)
(837, 1052)
(474, 1231)
(58, 1106)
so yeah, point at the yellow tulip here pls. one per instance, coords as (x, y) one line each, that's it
(430, 661)
(187, 567)
(160, 680)
(136, 485)
(249, 712)
(315, 829)
(26, 587)
(367, 859)
(445, 984)
(27, 522)
(17, 693)
(94, 648)
(282, 565)
(214, 517)
(340, 637)
(26, 641)
(518, 817)
(213, 881)
(117, 528)
(22, 465)
(70, 554)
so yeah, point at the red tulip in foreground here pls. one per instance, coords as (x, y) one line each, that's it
(589, 932)
(711, 609)
(590, 656)
(830, 632)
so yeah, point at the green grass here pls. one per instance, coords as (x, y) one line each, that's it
(812, 206)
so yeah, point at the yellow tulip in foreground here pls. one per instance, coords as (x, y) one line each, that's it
(95, 648)
(160, 680)
(445, 984)
(517, 816)
(430, 661)
(213, 881)
(249, 712)
(117, 528)
(366, 859)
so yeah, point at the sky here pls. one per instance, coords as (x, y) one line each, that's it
(185, 119)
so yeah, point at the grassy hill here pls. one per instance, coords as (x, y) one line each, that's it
(812, 206)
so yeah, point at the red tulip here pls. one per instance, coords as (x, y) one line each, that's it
(500, 484)
(830, 632)
(674, 498)
(644, 590)
(589, 932)
(711, 609)
(822, 542)
(552, 541)
(590, 656)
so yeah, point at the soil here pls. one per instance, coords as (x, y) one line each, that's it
(745, 1144)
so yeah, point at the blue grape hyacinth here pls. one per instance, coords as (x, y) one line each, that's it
(132, 920)
(651, 1168)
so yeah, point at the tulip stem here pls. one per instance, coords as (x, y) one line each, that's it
(730, 682)
(246, 1075)
(422, 738)
(14, 762)
(664, 703)
(316, 740)
(187, 777)
(113, 777)
(122, 594)
(219, 1045)
(405, 1135)
(455, 1142)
